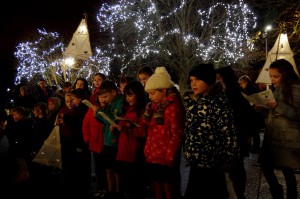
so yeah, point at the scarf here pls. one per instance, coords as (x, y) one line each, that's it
(158, 112)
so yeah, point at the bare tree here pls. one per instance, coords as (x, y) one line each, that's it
(177, 33)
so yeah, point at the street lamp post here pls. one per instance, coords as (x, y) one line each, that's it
(268, 28)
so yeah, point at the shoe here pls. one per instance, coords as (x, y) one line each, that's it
(100, 194)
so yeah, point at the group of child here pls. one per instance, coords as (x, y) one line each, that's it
(135, 137)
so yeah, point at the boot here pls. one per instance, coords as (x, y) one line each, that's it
(277, 192)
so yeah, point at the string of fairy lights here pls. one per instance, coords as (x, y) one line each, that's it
(142, 28)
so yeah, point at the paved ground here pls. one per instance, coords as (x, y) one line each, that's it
(257, 187)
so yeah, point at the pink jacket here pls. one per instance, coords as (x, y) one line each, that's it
(164, 141)
(132, 139)
(92, 132)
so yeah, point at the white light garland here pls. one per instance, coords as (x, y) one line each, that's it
(151, 30)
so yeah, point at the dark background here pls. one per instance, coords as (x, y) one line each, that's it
(21, 19)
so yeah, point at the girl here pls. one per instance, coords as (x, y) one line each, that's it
(68, 145)
(53, 109)
(82, 165)
(97, 81)
(164, 117)
(246, 122)
(130, 156)
(281, 144)
(144, 74)
(122, 83)
(247, 86)
(83, 84)
(92, 131)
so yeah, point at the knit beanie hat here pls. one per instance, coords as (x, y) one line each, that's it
(160, 79)
(204, 72)
(56, 101)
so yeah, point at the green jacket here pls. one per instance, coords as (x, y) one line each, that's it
(114, 108)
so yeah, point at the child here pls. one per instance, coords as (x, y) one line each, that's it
(82, 165)
(144, 74)
(210, 135)
(130, 157)
(68, 145)
(164, 116)
(108, 92)
(97, 81)
(40, 175)
(19, 134)
(246, 123)
(92, 131)
(247, 86)
(83, 84)
(53, 108)
(66, 88)
(42, 126)
(280, 148)
(123, 81)
(5, 166)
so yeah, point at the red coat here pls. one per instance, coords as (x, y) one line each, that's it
(93, 96)
(132, 139)
(92, 132)
(164, 141)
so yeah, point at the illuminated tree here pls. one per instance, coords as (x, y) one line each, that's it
(40, 58)
(43, 58)
(177, 33)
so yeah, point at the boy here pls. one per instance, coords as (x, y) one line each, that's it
(108, 94)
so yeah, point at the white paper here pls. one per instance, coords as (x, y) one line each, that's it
(107, 118)
(127, 120)
(87, 102)
(261, 98)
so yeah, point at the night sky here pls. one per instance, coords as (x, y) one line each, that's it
(25, 17)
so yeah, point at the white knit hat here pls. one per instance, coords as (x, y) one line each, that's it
(160, 79)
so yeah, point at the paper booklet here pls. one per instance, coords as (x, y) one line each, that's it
(261, 98)
(127, 120)
(107, 118)
(87, 102)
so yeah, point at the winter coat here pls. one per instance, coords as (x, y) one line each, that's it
(41, 95)
(65, 130)
(132, 139)
(20, 137)
(114, 108)
(92, 131)
(210, 133)
(41, 128)
(74, 120)
(93, 96)
(281, 144)
(164, 141)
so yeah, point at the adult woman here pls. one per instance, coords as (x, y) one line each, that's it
(281, 144)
